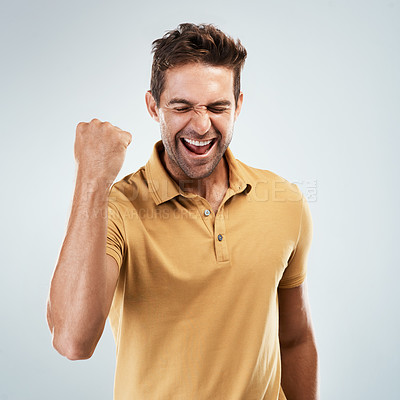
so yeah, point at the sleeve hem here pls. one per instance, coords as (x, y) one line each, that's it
(114, 254)
(292, 282)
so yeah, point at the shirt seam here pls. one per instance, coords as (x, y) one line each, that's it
(123, 226)
(125, 246)
(300, 226)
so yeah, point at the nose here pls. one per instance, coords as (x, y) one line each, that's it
(200, 120)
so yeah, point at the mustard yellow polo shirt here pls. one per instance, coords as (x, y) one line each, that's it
(195, 311)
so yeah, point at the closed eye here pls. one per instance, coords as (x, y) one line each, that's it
(217, 110)
(211, 109)
(183, 109)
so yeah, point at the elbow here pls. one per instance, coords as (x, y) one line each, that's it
(71, 342)
(72, 350)
(64, 346)
(75, 355)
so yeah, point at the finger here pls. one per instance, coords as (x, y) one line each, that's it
(81, 125)
(126, 137)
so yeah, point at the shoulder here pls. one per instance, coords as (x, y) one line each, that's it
(267, 184)
(129, 187)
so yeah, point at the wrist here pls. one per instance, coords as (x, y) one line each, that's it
(93, 189)
(93, 182)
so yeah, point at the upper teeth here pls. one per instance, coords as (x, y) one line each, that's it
(197, 143)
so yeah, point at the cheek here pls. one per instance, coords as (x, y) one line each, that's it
(224, 123)
(175, 123)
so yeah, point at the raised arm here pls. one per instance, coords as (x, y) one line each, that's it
(85, 277)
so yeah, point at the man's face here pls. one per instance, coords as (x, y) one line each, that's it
(196, 114)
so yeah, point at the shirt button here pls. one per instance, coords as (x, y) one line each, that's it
(207, 213)
(219, 237)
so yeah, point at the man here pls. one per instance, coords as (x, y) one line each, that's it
(198, 259)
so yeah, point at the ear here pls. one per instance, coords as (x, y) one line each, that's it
(239, 105)
(152, 106)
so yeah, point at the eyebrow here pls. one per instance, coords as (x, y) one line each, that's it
(217, 103)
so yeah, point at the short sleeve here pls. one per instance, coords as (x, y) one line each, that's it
(115, 246)
(295, 272)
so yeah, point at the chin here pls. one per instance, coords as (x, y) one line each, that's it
(200, 171)
(198, 175)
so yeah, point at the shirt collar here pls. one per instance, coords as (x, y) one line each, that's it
(163, 188)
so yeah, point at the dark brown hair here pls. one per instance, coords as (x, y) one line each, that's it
(190, 43)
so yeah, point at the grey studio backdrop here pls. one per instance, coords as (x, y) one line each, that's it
(321, 109)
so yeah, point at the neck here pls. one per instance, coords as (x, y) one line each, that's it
(212, 187)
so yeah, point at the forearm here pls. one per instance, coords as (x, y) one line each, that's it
(300, 370)
(76, 309)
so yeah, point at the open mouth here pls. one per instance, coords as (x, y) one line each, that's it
(198, 146)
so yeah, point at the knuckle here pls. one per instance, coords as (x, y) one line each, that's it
(128, 138)
(81, 126)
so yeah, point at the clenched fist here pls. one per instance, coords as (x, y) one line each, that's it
(100, 149)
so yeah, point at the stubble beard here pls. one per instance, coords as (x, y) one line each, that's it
(179, 163)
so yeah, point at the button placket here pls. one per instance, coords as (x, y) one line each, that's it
(205, 214)
(221, 246)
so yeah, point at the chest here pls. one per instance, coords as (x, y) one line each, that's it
(187, 248)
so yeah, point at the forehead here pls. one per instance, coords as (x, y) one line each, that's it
(198, 83)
